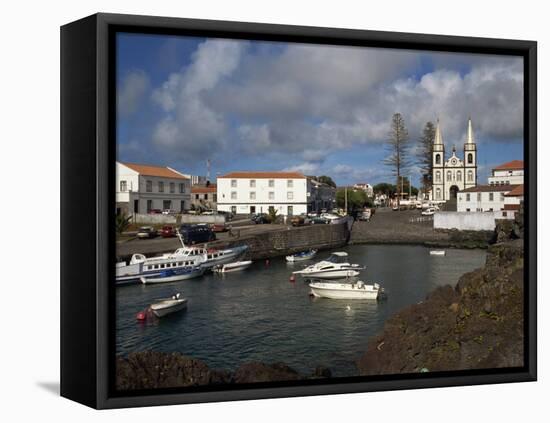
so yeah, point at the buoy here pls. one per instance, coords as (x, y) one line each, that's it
(292, 278)
(141, 316)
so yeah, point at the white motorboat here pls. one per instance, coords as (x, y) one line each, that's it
(209, 258)
(168, 305)
(437, 252)
(345, 291)
(232, 267)
(301, 256)
(173, 274)
(335, 267)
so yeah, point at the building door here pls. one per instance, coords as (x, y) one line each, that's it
(453, 191)
(252, 209)
(167, 204)
(290, 209)
(136, 206)
(182, 206)
(233, 209)
(149, 206)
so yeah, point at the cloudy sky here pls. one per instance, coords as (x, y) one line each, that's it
(249, 105)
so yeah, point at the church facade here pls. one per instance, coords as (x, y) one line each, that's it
(453, 174)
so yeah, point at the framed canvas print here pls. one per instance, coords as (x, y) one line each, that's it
(256, 211)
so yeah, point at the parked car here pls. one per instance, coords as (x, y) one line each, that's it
(155, 211)
(228, 215)
(300, 220)
(219, 227)
(261, 218)
(146, 232)
(196, 234)
(168, 211)
(208, 212)
(319, 220)
(365, 215)
(168, 232)
(428, 212)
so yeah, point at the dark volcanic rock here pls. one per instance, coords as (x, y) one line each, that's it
(150, 370)
(254, 372)
(478, 324)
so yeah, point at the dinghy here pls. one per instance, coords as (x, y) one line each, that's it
(168, 305)
(233, 267)
(301, 256)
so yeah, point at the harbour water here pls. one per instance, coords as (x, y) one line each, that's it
(259, 315)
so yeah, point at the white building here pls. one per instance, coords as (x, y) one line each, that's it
(365, 187)
(483, 198)
(510, 173)
(289, 193)
(513, 199)
(141, 188)
(454, 174)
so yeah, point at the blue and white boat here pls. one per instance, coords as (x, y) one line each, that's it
(301, 256)
(174, 274)
(152, 267)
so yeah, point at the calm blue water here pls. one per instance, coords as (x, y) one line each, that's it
(259, 315)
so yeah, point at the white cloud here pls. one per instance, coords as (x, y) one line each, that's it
(131, 91)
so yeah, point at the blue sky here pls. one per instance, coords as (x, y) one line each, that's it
(318, 109)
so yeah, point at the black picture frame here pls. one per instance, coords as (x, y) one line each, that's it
(87, 179)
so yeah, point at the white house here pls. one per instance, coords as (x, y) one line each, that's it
(483, 198)
(510, 173)
(365, 187)
(513, 199)
(257, 192)
(141, 188)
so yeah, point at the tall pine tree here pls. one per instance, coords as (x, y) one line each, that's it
(397, 144)
(425, 157)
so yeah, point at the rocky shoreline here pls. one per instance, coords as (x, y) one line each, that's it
(477, 324)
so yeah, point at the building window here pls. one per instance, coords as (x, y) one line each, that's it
(233, 195)
(182, 188)
(504, 214)
(289, 183)
(479, 196)
(149, 205)
(458, 175)
(149, 186)
(437, 159)
(123, 186)
(196, 196)
(215, 198)
(449, 176)
(271, 195)
(233, 183)
(167, 205)
(438, 194)
(172, 188)
(467, 197)
(438, 176)
(470, 175)
(271, 183)
(252, 195)
(253, 183)
(161, 186)
(290, 195)
(252, 209)
(491, 196)
(233, 209)
(470, 158)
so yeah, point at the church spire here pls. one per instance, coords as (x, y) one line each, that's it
(470, 136)
(438, 136)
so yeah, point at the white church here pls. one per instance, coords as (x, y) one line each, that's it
(453, 174)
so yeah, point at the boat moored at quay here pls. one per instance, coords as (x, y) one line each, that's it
(346, 291)
(334, 267)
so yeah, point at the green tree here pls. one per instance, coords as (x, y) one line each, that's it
(122, 222)
(384, 188)
(272, 215)
(356, 199)
(397, 144)
(326, 180)
(424, 155)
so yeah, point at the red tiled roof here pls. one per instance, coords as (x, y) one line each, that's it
(511, 207)
(516, 192)
(513, 165)
(149, 170)
(264, 175)
(490, 188)
(201, 189)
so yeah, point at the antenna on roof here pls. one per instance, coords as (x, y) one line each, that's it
(208, 171)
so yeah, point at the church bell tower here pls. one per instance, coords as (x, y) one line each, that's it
(438, 157)
(470, 158)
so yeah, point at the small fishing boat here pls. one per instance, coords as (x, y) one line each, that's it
(301, 256)
(335, 267)
(232, 267)
(437, 252)
(168, 305)
(173, 274)
(346, 291)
